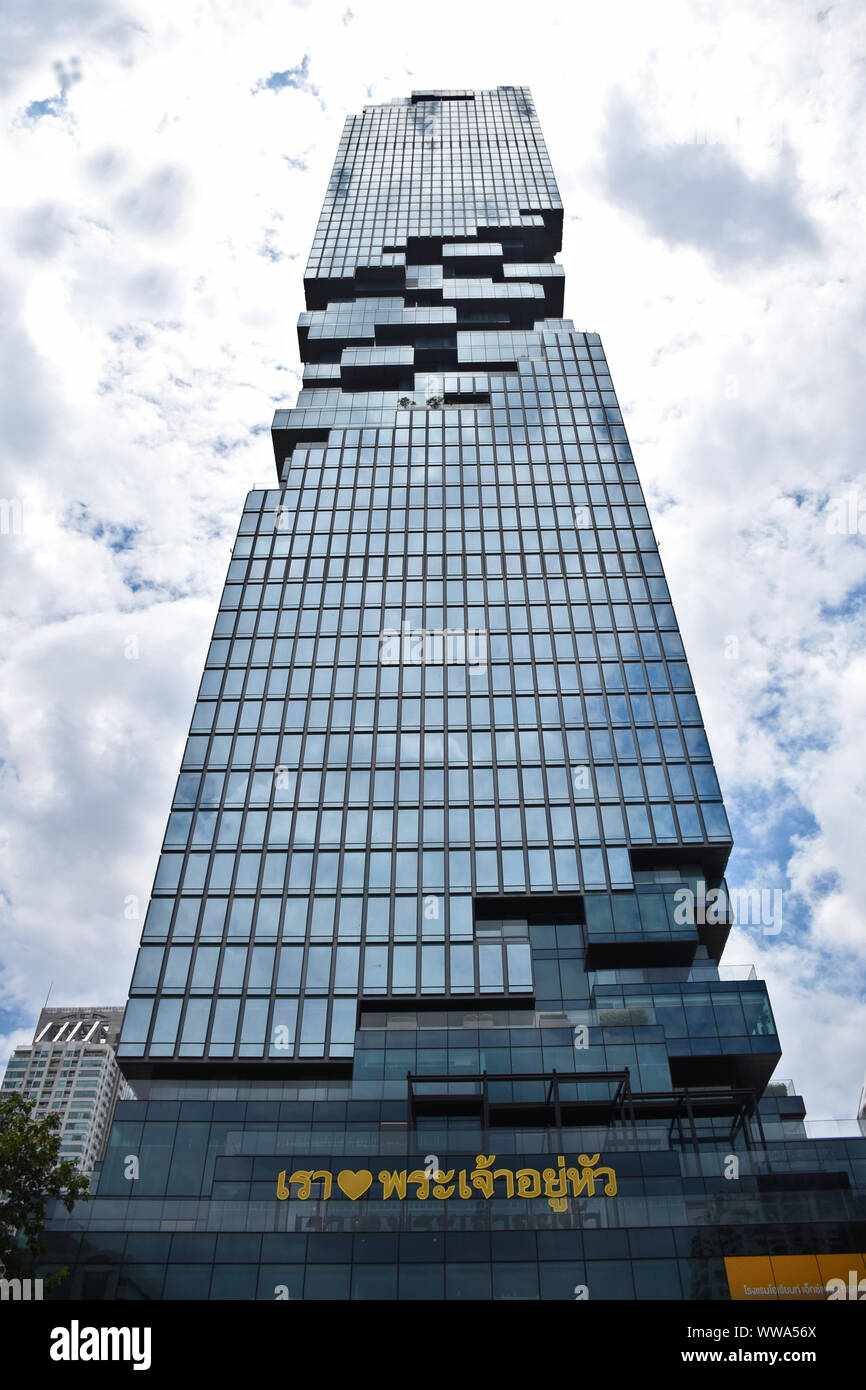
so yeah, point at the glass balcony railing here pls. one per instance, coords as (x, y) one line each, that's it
(835, 1129)
(737, 972)
(780, 1087)
(698, 971)
(609, 1016)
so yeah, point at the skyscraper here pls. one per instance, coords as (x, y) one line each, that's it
(70, 1070)
(428, 1000)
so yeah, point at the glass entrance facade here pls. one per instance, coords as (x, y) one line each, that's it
(428, 1002)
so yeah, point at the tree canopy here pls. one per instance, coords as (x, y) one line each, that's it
(31, 1174)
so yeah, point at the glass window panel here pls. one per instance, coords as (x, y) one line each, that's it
(350, 919)
(432, 969)
(663, 821)
(147, 967)
(313, 1021)
(136, 1020)
(291, 961)
(224, 1027)
(462, 969)
(404, 970)
(376, 969)
(759, 1019)
(490, 969)
(378, 918)
(346, 972)
(322, 922)
(204, 972)
(282, 1035)
(343, 1014)
(166, 1022)
(194, 1027)
(261, 968)
(519, 957)
(295, 919)
(592, 867)
(318, 968)
(268, 919)
(177, 967)
(158, 918)
(255, 1022)
(234, 965)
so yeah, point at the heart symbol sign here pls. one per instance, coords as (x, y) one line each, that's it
(354, 1184)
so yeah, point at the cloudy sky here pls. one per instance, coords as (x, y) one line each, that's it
(164, 165)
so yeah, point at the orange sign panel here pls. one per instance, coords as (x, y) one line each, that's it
(754, 1278)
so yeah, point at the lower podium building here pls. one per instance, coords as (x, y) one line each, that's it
(429, 1002)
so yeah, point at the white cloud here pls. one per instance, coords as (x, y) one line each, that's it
(19, 1037)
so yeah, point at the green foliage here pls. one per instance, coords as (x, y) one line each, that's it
(31, 1173)
(621, 1018)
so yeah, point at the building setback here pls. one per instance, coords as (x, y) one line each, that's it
(428, 1002)
(70, 1069)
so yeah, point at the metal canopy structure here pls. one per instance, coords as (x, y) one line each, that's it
(568, 1098)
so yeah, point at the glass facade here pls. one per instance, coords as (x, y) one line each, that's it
(435, 934)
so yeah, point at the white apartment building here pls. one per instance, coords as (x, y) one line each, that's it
(71, 1069)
